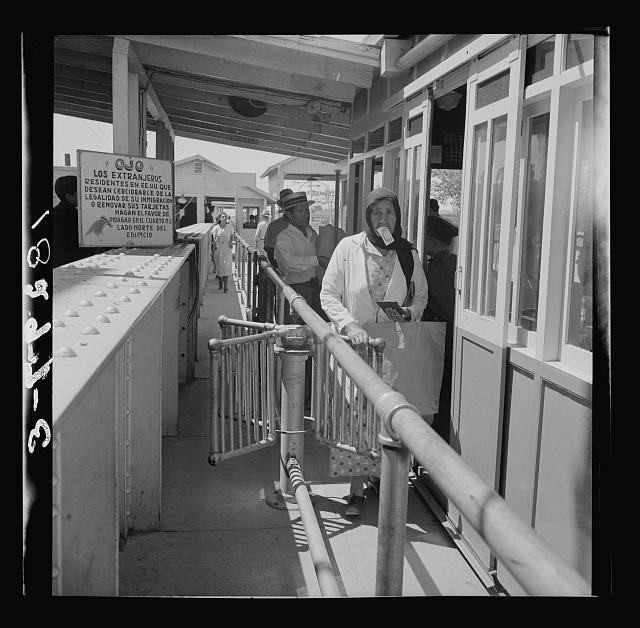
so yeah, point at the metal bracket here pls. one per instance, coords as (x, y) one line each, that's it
(387, 436)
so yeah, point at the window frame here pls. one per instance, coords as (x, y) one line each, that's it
(547, 344)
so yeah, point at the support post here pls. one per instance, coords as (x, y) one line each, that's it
(294, 348)
(392, 512)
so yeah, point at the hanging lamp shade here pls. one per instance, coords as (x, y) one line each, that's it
(449, 101)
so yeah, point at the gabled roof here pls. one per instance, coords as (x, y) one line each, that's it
(187, 160)
(270, 199)
(280, 163)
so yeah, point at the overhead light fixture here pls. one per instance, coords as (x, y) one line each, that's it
(449, 101)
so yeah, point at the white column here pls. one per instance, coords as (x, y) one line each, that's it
(126, 119)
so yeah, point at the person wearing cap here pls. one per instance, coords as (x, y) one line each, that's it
(66, 244)
(441, 268)
(296, 255)
(261, 231)
(377, 264)
(275, 227)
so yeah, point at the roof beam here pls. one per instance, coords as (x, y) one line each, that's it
(256, 145)
(74, 73)
(252, 142)
(217, 95)
(82, 111)
(189, 63)
(234, 132)
(250, 125)
(81, 98)
(62, 83)
(265, 54)
(340, 49)
(192, 100)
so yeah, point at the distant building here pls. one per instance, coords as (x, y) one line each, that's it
(204, 184)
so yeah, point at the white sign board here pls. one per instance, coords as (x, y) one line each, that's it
(124, 200)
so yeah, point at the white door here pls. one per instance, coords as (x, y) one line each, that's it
(492, 135)
(417, 121)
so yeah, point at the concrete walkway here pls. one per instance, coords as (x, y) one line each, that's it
(219, 538)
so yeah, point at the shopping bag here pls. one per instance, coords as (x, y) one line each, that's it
(414, 360)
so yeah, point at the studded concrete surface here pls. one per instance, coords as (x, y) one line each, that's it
(97, 301)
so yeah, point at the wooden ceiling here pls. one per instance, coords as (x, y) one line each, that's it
(306, 82)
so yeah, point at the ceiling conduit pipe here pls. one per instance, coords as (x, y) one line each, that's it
(421, 50)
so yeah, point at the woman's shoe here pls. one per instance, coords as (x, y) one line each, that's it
(354, 506)
(374, 484)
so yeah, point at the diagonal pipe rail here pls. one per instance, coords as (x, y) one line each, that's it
(319, 556)
(532, 563)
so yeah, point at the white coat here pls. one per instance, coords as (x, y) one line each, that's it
(345, 291)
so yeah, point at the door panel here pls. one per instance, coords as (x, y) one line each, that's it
(492, 136)
(478, 432)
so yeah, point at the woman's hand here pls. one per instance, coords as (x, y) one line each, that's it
(357, 336)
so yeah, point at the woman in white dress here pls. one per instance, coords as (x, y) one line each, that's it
(365, 269)
(222, 237)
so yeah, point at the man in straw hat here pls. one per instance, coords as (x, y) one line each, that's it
(275, 227)
(261, 231)
(295, 252)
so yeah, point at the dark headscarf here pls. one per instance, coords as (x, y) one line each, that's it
(399, 242)
(400, 245)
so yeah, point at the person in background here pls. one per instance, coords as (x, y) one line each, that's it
(251, 223)
(66, 247)
(441, 268)
(222, 235)
(265, 290)
(275, 227)
(434, 206)
(208, 217)
(261, 231)
(374, 265)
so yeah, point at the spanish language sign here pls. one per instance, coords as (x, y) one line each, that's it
(124, 200)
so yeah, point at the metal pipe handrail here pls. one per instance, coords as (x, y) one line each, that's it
(533, 564)
(317, 549)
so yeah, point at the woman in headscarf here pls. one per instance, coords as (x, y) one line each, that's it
(375, 265)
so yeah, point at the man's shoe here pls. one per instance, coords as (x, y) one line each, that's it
(354, 506)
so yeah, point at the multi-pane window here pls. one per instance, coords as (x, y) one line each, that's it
(579, 49)
(395, 130)
(414, 126)
(579, 326)
(493, 216)
(539, 63)
(375, 138)
(415, 192)
(494, 89)
(475, 214)
(357, 146)
(533, 211)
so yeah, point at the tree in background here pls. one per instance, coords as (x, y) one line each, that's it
(446, 187)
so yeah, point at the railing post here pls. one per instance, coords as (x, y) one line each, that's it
(392, 512)
(294, 348)
(249, 289)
